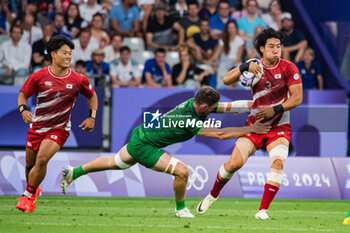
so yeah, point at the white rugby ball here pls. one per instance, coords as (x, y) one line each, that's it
(248, 79)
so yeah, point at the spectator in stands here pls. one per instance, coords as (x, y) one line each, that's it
(31, 33)
(218, 21)
(39, 47)
(247, 24)
(97, 31)
(14, 55)
(157, 72)
(209, 9)
(179, 10)
(125, 18)
(125, 71)
(241, 10)
(310, 71)
(202, 43)
(145, 7)
(112, 50)
(191, 23)
(96, 67)
(59, 27)
(230, 48)
(273, 17)
(83, 46)
(88, 9)
(186, 75)
(159, 30)
(249, 44)
(294, 42)
(73, 21)
(80, 67)
(5, 16)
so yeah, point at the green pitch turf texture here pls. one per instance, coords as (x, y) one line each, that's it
(65, 214)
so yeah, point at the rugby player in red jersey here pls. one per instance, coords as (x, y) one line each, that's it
(277, 92)
(56, 88)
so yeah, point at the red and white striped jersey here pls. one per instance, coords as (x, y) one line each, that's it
(272, 89)
(56, 96)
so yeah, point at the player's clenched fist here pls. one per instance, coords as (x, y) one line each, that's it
(88, 124)
(27, 116)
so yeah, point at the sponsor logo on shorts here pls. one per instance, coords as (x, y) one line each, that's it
(54, 137)
(69, 86)
(29, 144)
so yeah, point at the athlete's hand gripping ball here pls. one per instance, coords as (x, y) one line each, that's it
(251, 72)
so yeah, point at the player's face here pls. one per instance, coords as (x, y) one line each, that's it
(272, 49)
(62, 57)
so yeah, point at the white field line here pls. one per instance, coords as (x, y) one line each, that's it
(191, 226)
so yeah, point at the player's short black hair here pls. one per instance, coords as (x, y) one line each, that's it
(262, 38)
(124, 48)
(159, 50)
(56, 42)
(207, 95)
(80, 63)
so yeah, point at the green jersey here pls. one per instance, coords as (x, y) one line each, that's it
(178, 125)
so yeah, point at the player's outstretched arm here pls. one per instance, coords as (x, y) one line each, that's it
(235, 132)
(27, 115)
(89, 123)
(236, 107)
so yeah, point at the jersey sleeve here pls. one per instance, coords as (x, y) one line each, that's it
(86, 88)
(293, 75)
(29, 87)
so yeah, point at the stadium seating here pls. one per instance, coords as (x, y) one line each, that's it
(134, 43)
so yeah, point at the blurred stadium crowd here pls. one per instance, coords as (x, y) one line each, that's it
(148, 43)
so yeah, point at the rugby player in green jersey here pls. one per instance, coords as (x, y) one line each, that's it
(178, 125)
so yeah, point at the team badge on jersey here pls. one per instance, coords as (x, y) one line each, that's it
(296, 76)
(277, 76)
(69, 86)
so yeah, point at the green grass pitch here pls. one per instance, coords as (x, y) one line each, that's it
(65, 214)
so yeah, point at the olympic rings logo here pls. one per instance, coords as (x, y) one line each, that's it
(197, 178)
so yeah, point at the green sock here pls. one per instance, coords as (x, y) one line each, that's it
(78, 171)
(348, 215)
(180, 204)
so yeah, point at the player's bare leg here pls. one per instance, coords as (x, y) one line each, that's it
(30, 160)
(122, 160)
(242, 150)
(36, 174)
(173, 166)
(278, 152)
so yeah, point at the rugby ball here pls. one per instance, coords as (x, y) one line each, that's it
(248, 79)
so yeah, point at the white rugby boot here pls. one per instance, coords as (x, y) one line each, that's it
(184, 213)
(204, 205)
(262, 214)
(67, 178)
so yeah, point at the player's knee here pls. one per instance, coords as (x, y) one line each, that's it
(42, 162)
(182, 171)
(277, 164)
(234, 164)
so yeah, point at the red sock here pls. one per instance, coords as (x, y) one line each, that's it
(269, 195)
(31, 189)
(218, 185)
